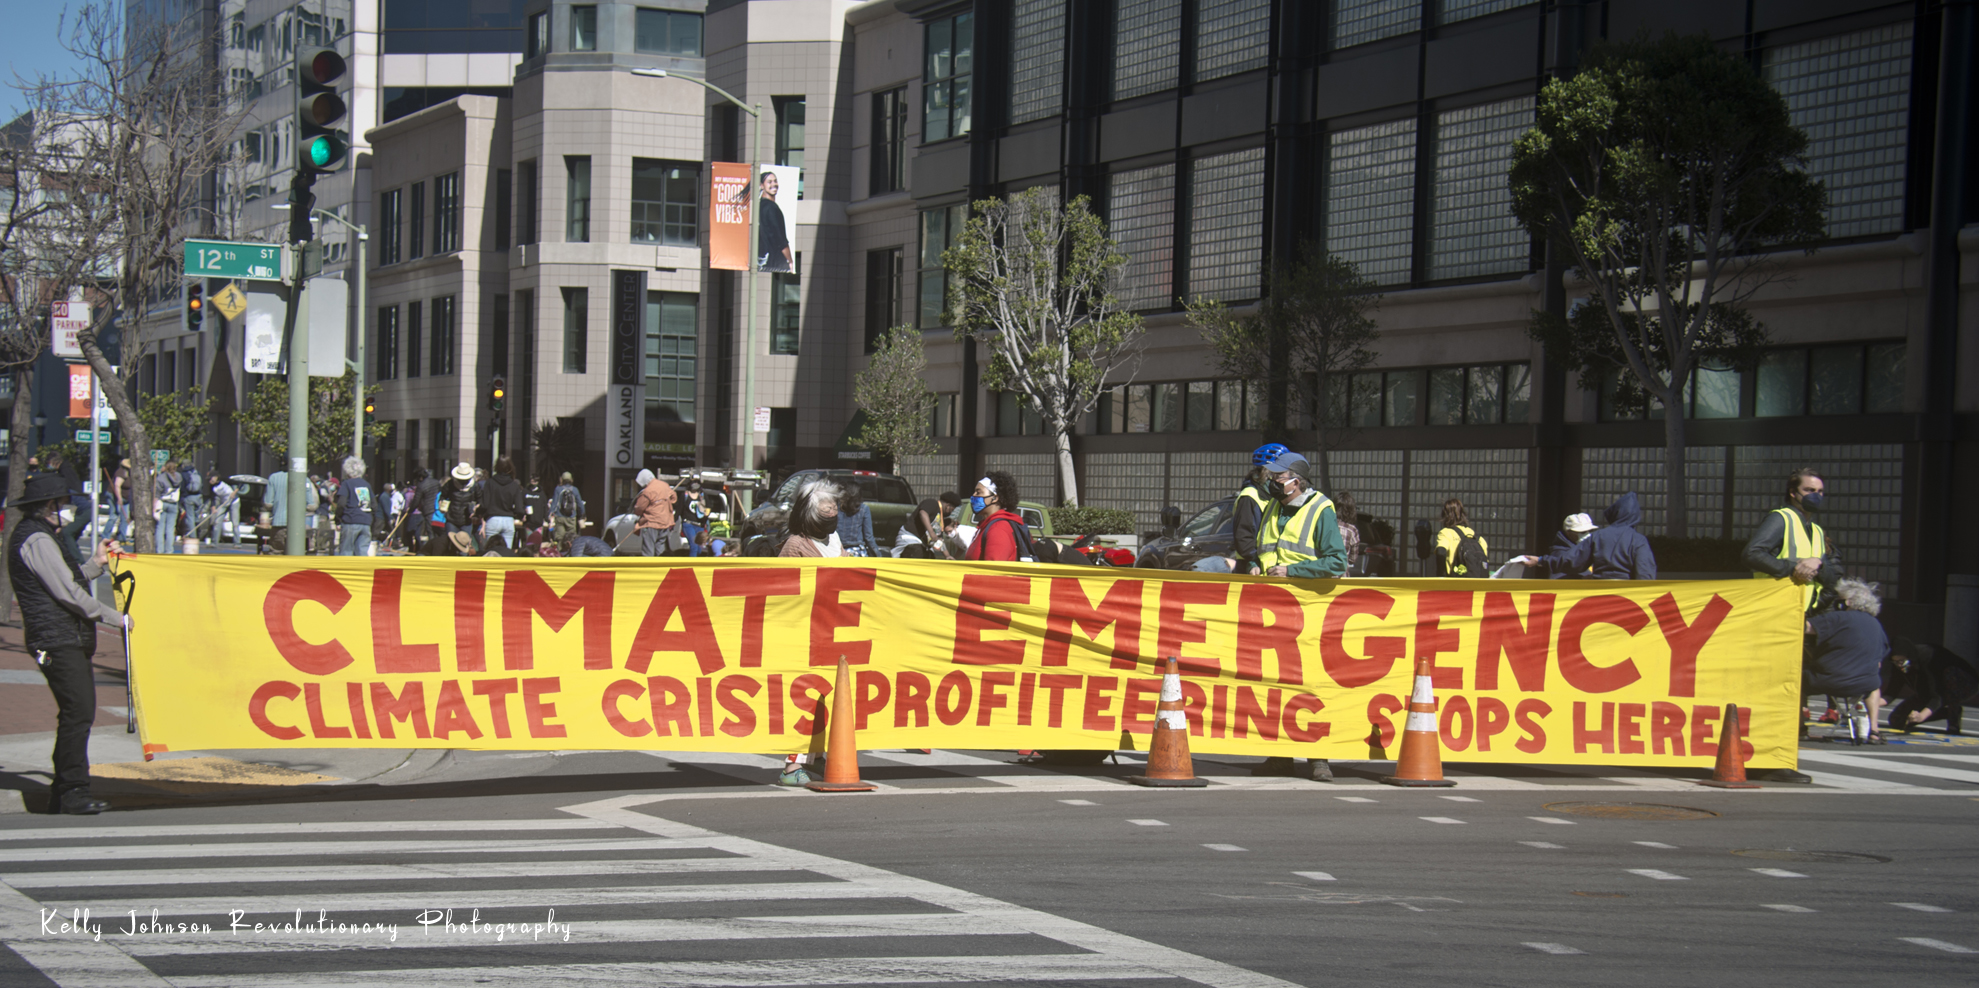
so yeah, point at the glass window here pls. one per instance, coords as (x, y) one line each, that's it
(670, 342)
(446, 214)
(665, 202)
(1226, 225)
(1400, 397)
(889, 165)
(539, 34)
(1364, 400)
(1147, 46)
(1229, 406)
(412, 435)
(667, 32)
(1037, 59)
(1446, 396)
(1835, 384)
(1200, 413)
(576, 329)
(1715, 392)
(1007, 421)
(497, 344)
(415, 338)
(1884, 369)
(584, 28)
(504, 190)
(1485, 396)
(577, 205)
(388, 227)
(416, 219)
(786, 298)
(1141, 218)
(1783, 383)
(525, 204)
(1452, 11)
(790, 135)
(1359, 21)
(385, 348)
(1232, 36)
(1518, 393)
(1474, 231)
(1167, 408)
(883, 271)
(444, 323)
(1370, 199)
(1851, 94)
(940, 228)
(946, 75)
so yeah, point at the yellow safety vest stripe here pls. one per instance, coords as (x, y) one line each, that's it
(1799, 543)
(1274, 549)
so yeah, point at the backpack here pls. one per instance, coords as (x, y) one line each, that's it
(1027, 550)
(567, 503)
(1469, 558)
(189, 482)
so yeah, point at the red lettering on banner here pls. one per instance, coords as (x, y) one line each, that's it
(360, 719)
(1603, 735)
(1628, 729)
(1099, 696)
(1666, 727)
(755, 586)
(952, 698)
(1704, 732)
(257, 709)
(1264, 718)
(672, 706)
(829, 613)
(744, 723)
(704, 705)
(872, 691)
(625, 689)
(1382, 652)
(1027, 688)
(1255, 603)
(278, 615)
(1686, 640)
(1527, 713)
(1493, 718)
(471, 620)
(1305, 733)
(1176, 631)
(538, 711)
(1138, 704)
(1195, 700)
(679, 593)
(1611, 609)
(1432, 639)
(312, 698)
(991, 700)
(497, 691)
(391, 655)
(409, 706)
(912, 691)
(813, 707)
(1456, 708)
(973, 617)
(1379, 707)
(1055, 684)
(1219, 711)
(524, 593)
(450, 713)
(1119, 609)
(776, 703)
(1523, 644)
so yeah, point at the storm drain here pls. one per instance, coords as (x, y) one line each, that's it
(1631, 811)
(1789, 854)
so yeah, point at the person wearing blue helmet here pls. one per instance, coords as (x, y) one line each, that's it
(1248, 512)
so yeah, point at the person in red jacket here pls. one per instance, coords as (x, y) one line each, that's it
(1000, 532)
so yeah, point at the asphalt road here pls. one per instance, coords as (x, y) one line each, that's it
(689, 870)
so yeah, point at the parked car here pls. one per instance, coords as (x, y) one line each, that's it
(1209, 533)
(890, 497)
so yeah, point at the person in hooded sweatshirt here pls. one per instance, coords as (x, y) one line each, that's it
(1572, 532)
(1614, 552)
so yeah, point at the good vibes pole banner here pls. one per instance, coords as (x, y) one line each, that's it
(739, 655)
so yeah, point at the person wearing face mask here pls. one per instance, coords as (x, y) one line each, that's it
(1000, 532)
(1298, 537)
(1790, 545)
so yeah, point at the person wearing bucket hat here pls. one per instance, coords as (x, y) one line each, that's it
(458, 499)
(58, 627)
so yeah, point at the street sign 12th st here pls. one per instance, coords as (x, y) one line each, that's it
(222, 259)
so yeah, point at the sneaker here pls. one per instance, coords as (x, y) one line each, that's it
(1273, 766)
(1321, 770)
(79, 802)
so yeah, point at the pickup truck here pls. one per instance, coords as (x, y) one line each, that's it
(889, 496)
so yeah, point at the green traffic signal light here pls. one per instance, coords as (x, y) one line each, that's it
(320, 145)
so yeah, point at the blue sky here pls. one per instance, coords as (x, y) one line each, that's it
(30, 44)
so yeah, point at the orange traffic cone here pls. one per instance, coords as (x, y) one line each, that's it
(842, 747)
(1168, 754)
(1730, 770)
(1421, 762)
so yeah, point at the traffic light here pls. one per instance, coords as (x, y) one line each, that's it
(370, 410)
(497, 392)
(195, 305)
(320, 145)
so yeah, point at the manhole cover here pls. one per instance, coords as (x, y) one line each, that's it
(1631, 811)
(1788, 854)
(1603, 895)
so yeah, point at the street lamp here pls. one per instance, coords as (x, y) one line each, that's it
(755, 225)
(363, 278)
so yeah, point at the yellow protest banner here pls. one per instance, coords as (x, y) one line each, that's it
(738, 655)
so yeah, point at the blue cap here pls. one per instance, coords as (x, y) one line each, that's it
(1266, 453)
(1289, 462)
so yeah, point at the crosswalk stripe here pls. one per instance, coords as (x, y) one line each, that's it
(436, 871)
(1856, 782)
(139, 852)
(1882, 764)
(72, 961)
(280, 829)
(466, 902)
(725, 974)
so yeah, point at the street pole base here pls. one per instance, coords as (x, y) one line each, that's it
(840, 786)
(1391, 780)
(1715, 784)
(1189, 783)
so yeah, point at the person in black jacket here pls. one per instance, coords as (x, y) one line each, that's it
(58, 627)
(501, 505)
(1615, 551)
(1803, 553)
(1246, 517)
(1925, 683)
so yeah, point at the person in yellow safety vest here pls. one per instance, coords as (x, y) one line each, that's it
(1790, 545)
(1246, 518)
(1300, 538)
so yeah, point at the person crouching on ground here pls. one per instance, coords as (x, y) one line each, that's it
(58, 627)
(1845, 657)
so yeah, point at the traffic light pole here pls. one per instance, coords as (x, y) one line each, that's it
(298, 372)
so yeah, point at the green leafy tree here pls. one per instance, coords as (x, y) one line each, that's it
(559, 447)
(1661, 173)
(1312, 328)
(332, 402)
(898, 403)
(177, 422)
(1033, 285)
